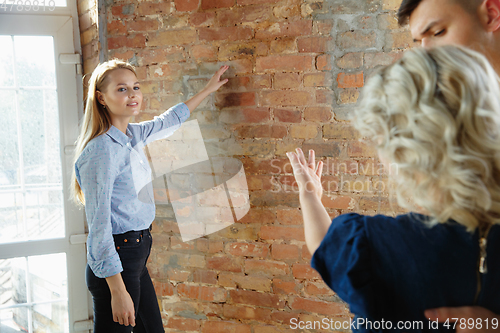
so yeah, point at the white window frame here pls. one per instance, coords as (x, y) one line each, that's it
(60, 24)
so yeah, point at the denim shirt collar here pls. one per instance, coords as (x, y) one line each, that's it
(119, 136)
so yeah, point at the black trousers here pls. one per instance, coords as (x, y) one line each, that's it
(133, 248)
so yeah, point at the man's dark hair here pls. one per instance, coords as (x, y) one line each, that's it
(408, 6)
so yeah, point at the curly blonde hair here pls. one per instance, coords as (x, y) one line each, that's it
(435, 113)
(96, 119)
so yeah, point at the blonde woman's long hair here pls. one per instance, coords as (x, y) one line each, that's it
(435, 113)
(96, 119)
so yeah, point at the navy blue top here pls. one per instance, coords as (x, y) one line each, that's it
(394, 268)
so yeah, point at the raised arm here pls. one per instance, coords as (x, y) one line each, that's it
(308, 177)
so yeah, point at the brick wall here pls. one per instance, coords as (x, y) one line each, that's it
(89, 35)
(297, 67)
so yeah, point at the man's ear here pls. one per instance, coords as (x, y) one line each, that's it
(489, 14)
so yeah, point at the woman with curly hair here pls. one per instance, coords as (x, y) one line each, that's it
(435, 115)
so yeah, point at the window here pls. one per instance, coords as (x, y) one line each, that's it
(42, 250)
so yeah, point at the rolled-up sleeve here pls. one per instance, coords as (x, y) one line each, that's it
(162, 126)
(96, 174)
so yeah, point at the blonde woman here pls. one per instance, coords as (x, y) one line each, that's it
(435, 115)
(107, 164)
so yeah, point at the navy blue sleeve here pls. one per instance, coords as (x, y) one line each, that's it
(343, 261)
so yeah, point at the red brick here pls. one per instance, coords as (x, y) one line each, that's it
(203, 52)
(304, 131)
(289, 217)
(201, 293)
(183, 324)
(318, 288)
(286, 80)
(377, 59)
(225, 33)
(209, 245)
(247, 250)
(209, 4)
(227, 51)
(205, 276)
(287, 116)
(149, 8)
(256, 298)
(305, 271)
(235, 99)
(186, 5)
(267, 166)
(244, 115)
(246, 312)
(285, 29)
(202, 19)
(260, 131)
(236, 67)
(137, 41)
(280, 232)
(318, 114)
(287, 10)
(351, 60)
(164, 288)
(261, 81)
(350, 80)
(266, 267)
(225, 264)
(336, 202)
(323, 79)
(254, 2)
(323, 27)
(321, 307)
(257, 182)
(177, 37)
(177, 244)
(143, 25)
(285, 98)
(306, 255)
(348, 95)
(239, 281)
(237, 84)
(285, 287)
(116, 28)
(150, 56)
(340, 131)
(270, 199)
(358, 149)
(284, 63)
(219, 326)
(323, 62)
(330, 149)
(356, 40)
(169, 70)
(313, 44)
(399, 40)
(125, 56)
(283, 317)
(123, 11)
(256, 215)
(284, 252)
(283, 45)
(234, 16)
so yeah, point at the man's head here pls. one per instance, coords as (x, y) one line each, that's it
(471, 23)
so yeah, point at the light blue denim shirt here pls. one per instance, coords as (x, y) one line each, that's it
(115, 178)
